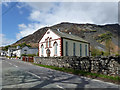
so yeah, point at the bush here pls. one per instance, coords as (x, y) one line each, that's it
(29, 55)
(106, 53)
(23, 55)
(117, 54)
(13, 56)
(8, 56)
(37, 53)
(96, 52)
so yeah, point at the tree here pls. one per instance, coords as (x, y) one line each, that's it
(109, 45)
(95, 52)
(6, 48)
(23, 44)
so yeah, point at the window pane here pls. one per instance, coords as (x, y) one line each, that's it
(55, 48)
(48, 42)
(80, 49)
(66, 46)
(42, 49)
(86, 50)
(74, 49)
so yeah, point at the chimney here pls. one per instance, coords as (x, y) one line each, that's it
(18, 47)
(70, 33)
(58, 30)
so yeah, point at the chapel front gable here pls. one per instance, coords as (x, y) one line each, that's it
(48, 36)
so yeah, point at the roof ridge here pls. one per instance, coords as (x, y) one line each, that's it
(66, 35)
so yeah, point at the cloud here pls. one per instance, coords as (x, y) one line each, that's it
(5, 4)
(50, 13)
(83, 12)
(27, 29)
(5, 41)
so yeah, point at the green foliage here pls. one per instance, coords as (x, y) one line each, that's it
(93, 30)
(13, 56)
(37, 53)
(104, 37)
(29, 55)
(96, 52)
(23, 44)
(23, 55)
(107, 38)
(117, 54)
(8, 56)
(6, 48)
(109, 46)
(106, 53)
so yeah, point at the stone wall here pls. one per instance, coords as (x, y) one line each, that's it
(103, 65)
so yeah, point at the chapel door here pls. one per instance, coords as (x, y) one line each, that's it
(48, 52)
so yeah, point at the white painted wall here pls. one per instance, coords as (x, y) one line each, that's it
(42, 41)
(19, 52)
(70, 48)
(70, 45)
(3, 53)
(10, 51)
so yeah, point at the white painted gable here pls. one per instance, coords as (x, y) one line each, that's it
(49, 33)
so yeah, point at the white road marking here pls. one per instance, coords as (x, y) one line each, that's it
(59, 87)
(34, 74)
(10, 63)
(15, 65)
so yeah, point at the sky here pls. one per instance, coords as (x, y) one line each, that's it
(20, 19)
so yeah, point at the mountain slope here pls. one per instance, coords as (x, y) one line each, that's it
(88, 32)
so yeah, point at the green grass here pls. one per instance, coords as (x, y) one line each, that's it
(82, 73)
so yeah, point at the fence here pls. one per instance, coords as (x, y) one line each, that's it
(102, 65)
(27, 59)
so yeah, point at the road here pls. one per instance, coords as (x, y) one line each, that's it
(19, 74)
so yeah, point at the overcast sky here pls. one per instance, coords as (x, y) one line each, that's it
(27, 17)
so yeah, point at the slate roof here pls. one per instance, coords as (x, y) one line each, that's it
(69, 36)
(12, 48)
(26, 46)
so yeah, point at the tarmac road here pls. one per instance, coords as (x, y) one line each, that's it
(19, 74)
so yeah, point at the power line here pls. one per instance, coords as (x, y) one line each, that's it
(9, 8)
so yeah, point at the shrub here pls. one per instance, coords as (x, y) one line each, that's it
(96, 52)
(29, 55)
(23, 55)
(117, 54)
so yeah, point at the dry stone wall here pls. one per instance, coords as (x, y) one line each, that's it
(103, 65)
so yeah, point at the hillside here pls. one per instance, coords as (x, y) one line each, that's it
(89, 32)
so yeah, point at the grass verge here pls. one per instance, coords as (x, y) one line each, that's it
(114, 79)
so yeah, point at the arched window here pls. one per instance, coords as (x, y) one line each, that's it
(48, 42)
(42, 50)
(55, 48)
